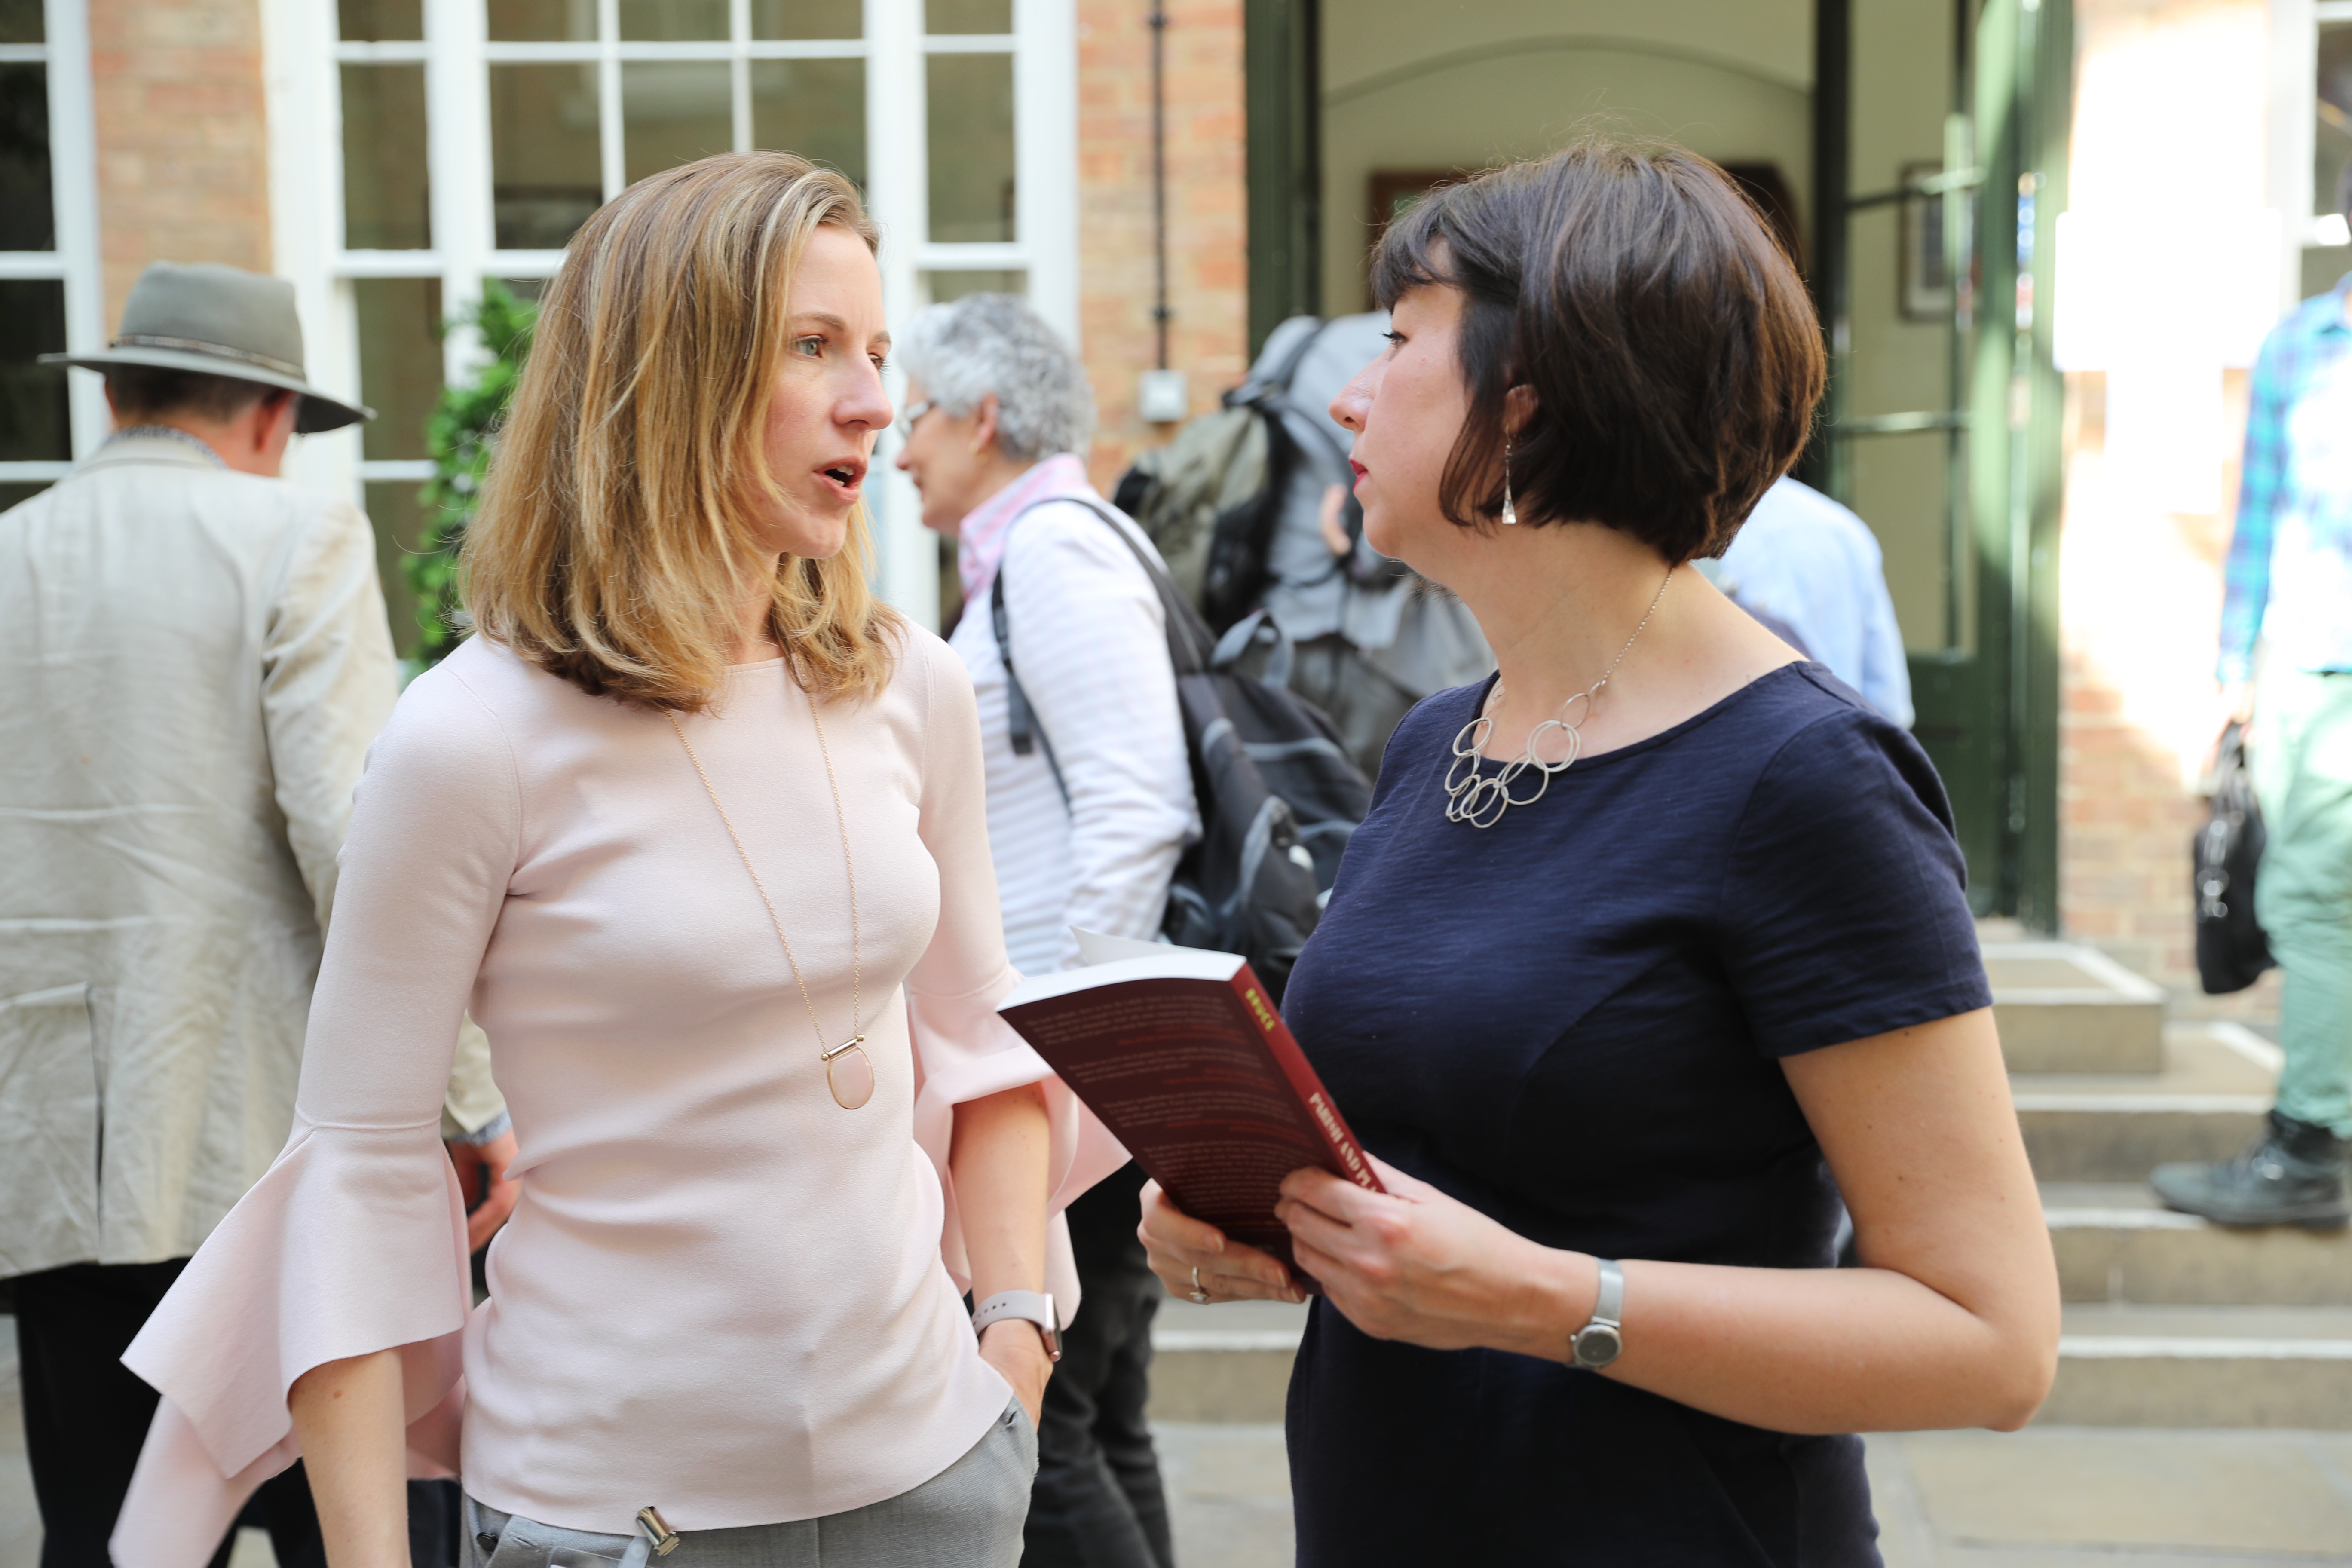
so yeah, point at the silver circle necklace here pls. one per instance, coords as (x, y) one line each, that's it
(1480, 799)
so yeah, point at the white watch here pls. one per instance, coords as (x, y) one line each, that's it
(1032, 1306)
(1602, 1340)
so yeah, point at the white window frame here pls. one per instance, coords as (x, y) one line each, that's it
(302, 61)
(73, 185)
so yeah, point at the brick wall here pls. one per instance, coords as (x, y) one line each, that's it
(182, 141)
(2170, 144)
(1207, 212)
(2141, 608)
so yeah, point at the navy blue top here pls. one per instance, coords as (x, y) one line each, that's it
(1572, 1021)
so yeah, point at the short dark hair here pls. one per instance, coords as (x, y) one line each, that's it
(1674, 356)
(149, 392)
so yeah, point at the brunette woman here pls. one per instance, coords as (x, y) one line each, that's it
(699, 827)
(1653, 946)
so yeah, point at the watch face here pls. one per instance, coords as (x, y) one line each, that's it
(1597, 1345)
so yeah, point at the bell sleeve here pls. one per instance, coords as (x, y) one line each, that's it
(963, 1050)
(353, 1241)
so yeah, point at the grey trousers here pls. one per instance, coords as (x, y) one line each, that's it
(967, 1516)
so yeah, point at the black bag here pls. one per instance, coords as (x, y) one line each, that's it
(1278, 794)
(2231, 951)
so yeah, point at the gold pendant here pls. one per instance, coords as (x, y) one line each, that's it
(849, 1074)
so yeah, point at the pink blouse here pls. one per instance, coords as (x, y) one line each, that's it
(720, 1293)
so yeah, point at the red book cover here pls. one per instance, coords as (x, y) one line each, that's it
(1183, 1055)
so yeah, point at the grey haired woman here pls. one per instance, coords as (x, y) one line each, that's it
(1085, 823)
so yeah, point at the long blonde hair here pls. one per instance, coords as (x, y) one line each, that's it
(612, 543)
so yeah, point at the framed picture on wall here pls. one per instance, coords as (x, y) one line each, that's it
(1923, 291)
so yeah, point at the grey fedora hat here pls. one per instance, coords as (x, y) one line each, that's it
(219, 321)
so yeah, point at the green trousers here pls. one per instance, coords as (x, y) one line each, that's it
(2302, 894)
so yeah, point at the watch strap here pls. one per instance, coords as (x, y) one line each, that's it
(1609, 1307)
(1602, 1340)
(1030, 1306)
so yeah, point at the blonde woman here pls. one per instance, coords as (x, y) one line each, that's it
(699, 828)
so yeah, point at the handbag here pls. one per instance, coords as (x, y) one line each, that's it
(2232, 949)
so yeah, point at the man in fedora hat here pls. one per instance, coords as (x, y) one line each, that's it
(195, 657)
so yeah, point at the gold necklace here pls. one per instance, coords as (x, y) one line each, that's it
(848, 1070)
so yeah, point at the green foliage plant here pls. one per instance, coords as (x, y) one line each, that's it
(461, 434)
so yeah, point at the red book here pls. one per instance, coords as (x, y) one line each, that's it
(1183, 1055)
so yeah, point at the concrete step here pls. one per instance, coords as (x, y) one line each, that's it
(1228, 1362)
(2206, 1103)
(2129, 1365)
(2116, 1243)
(2118, 1365)
(2063, 1007)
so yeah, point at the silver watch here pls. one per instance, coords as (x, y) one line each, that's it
(1030, 1306)
(1602, 1340)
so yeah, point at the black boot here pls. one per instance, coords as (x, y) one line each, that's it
(2294, 1172)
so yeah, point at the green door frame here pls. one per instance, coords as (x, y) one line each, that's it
(1282, 94)
(1988, 701)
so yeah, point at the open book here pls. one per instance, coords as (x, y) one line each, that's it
(1183, 1057)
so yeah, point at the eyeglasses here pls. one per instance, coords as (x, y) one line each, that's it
(907, 420)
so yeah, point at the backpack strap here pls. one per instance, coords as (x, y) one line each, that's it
(1021, 726)
(1189, 645)
(1278, 381)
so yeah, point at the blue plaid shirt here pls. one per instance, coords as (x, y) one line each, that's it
(2289, 576)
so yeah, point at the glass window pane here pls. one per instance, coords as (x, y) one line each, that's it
(32, 426)
(27, 221)
(386, 195)
(673, 20)
(15, 495)
(394, 510)
(530, 288)
(20, 22)
(542, 21)
(970, 102)
(808, 19)
(546, 173)
(968, 16)
(673, 112)
(375, 21)
(939, 287)
(399, 362)
(814, 108)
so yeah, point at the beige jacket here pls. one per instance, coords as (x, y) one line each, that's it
(193, 663)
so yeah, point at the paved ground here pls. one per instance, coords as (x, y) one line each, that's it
(2044, 1498)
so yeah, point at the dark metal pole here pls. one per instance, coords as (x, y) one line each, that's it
(1832, 157)
(1160, 313)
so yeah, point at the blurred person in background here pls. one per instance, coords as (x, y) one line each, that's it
(1805, 565)
(196, 656)
(2288, 587)
(1373, 638)
(1086, 824)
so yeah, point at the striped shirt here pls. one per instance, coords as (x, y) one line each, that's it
(2288, 578)
(1090, 641)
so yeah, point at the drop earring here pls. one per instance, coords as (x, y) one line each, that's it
(1510, 512)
